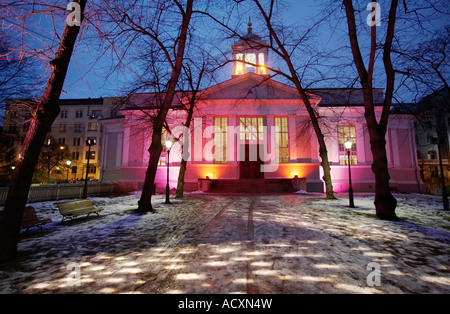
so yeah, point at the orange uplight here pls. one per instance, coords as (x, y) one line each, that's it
(293, 172)
(262, 69)
(209, 175)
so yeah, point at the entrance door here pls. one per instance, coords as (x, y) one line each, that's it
(250, 163)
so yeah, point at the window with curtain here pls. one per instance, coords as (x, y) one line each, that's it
(347, 132)
(220, 140)
(282, 139)
(251, 128)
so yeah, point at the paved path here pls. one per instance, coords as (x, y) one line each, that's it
(237, 244)
(253, 245)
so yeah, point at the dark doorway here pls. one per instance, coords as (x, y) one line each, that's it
(250, 162)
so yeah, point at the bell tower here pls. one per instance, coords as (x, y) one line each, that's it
(251, 54)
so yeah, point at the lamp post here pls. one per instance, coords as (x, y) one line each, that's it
(89, 143)
(68, 163)
(168, 146)
(438, 141)
(348, 145)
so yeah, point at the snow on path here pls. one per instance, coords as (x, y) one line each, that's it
(297, 243)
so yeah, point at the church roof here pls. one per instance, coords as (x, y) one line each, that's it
(249, 37)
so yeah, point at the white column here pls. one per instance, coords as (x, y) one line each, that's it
(232, 139)
(360, 145)
(126, 146)
(292, 136)
(197, 153)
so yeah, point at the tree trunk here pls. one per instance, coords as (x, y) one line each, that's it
(144, 203)
(180, 185)
(185, 147)
(385, 203)
(47, 110)
(326, 169)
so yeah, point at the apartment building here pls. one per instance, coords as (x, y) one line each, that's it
(77, 122)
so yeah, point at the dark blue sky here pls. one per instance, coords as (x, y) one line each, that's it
(86, 76)
(89, 76)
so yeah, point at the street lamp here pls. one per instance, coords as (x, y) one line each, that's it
(168, 146)
(89, 143)
(348, 145)
(68, 163)
(438, 142)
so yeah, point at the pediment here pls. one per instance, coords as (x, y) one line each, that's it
(251, 86)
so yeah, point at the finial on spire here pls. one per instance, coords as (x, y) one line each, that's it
(249, 24)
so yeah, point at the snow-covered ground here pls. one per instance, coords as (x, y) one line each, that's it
(297, 243)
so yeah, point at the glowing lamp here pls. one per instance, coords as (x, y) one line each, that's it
(168, 144)
(348, 144)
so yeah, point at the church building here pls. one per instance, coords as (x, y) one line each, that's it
(251, 133)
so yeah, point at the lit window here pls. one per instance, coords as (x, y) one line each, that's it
(250, 58)
(281, 140)
(92, 126)
(345, 133)
(220, 140)
(261, 65)
(251, 128)
(90, 155)
(239, 65)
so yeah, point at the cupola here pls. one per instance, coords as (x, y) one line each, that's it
(253, 52)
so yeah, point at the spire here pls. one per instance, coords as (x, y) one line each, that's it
(250, 25)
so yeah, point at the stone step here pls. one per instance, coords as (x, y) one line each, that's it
(252, 186)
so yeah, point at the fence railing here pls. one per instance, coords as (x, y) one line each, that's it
(52, 192)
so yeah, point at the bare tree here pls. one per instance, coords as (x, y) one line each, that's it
(278, 46)
(46, 112)
(159, 30)
(193, 75)
(52, 156)
(385, 203)
(16, 72)
(424, 67)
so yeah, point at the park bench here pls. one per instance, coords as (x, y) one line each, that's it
(30, 219)
(72, 209)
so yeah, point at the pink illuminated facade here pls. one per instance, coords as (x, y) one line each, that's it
(253, 127)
